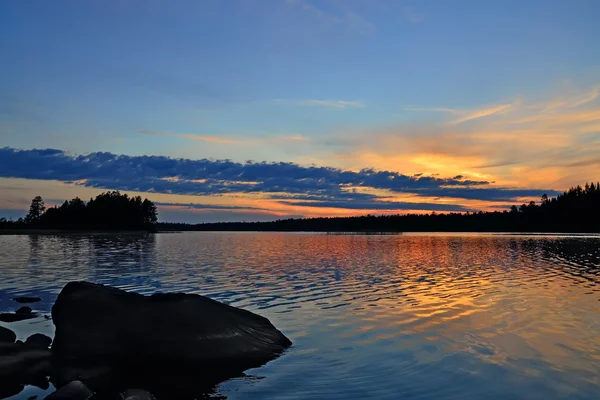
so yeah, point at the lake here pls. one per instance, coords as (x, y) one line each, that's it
(415, 316)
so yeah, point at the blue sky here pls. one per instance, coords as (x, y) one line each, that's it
(411, 87)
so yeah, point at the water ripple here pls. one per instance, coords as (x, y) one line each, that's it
(412, 316)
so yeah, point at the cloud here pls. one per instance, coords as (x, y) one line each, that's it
(210, 139)
(466, 115)
(197, 206)
(338, 16)
(333, 103)
(283, 182)
(379, 205)
(322, 103)
(548, 143)
(190, 136)
(484, 112)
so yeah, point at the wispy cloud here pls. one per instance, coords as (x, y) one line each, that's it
(572, 101)
(190, 136)
(339, 15)
(280, 139)
(338, 104)
(466, 115)
(149, 133)
(526, 142)
(484, 112)
(334, 103)
(210, 139)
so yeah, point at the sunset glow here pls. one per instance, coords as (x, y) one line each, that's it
(378, 113)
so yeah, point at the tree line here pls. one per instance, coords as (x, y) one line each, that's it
(575, 210)
(108, 211)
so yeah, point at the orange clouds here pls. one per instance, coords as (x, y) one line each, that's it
(554, 143)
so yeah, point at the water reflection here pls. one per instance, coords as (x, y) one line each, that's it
(413, 316)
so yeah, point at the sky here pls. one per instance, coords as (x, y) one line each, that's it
(252, 110)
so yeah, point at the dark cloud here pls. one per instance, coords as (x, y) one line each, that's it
(207, 206)
(380, 205)
(282, 181)
(490, 194)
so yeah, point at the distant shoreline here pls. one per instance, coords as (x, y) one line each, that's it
(71, 232)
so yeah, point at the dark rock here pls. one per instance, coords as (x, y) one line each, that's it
(40, 369)
(95, 377)
(32, 397)
(38, 341)
(24, 310)
(26, 299)
(75, 390)
(39, 382)
(13, 317)
(10, 389)
(12, 365)
(101, 324)
(16, 364)
(7, 336)
(137, 394)
(20, 342)
(9, 348)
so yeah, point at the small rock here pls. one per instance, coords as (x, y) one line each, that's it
(16, 364)
(32, 397)
(40, 369)
(9, 389)
(12, 365)
(94, 377)
(27, 299)
(39, 382)
(32, 356)
(24, 310)
(38, 341)
(9, 348)
(6, 335)
(12, 317)
(74, 390)
(136, 394)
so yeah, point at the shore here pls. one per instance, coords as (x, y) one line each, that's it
(71, 232)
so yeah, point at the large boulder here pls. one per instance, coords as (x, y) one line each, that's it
(102, 325)
(7, 336)
(75, 390)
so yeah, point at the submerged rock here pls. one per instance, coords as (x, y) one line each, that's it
(108, 325)
(26, 299)
(136, 394)
(24, 310)
(75, 390)
(38, 341)
(9, 348)
(7, 336)
(14, 317)
(95, 377)
(10, 389)
(25, 367)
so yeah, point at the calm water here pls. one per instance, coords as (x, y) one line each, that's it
(388, 317)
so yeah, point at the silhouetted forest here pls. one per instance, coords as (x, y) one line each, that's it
(576, 210)
(108, 211)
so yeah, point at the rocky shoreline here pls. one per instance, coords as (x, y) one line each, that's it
(113, 344)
